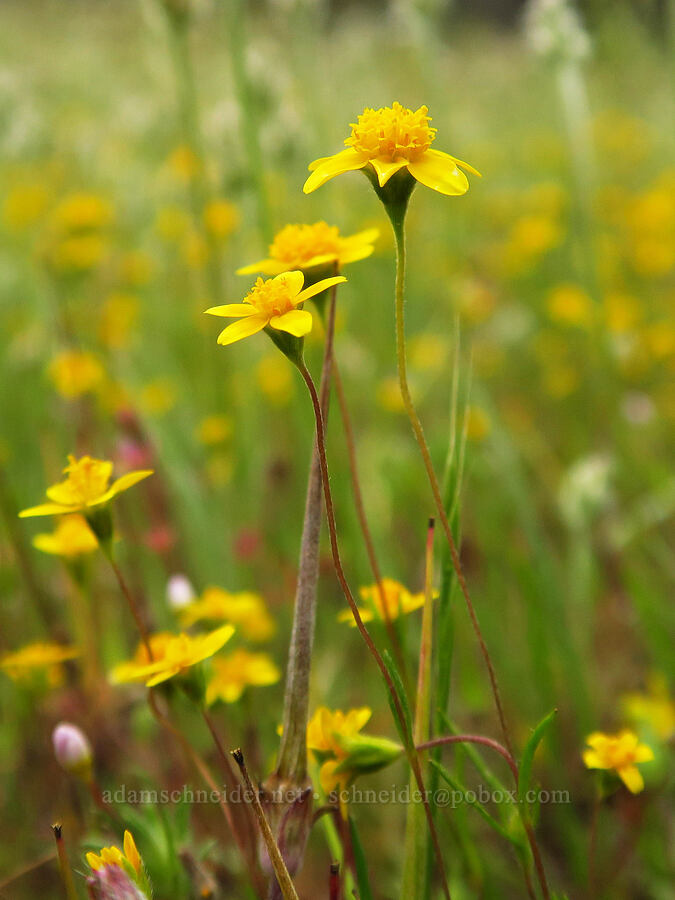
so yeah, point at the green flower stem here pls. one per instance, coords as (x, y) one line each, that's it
(64, 864)
(292, 763)
(411, 751)
(397, 215)
(131, 602)
(283, 878)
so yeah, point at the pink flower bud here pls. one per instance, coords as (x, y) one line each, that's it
(72, 749)
(179, 591)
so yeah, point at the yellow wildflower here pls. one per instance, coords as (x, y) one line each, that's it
(233, 673)
(272, 303)
(622, 312)
(75, 372)
(118, 316)
(388, 140)
(570, 305)
(655, 708)
(312, 246)
(78, 253)
(427, 352)
(221, 218)
(128, 860)
(87, 485)
(388, 395)
(219, 469)
(136, 268)
(183, 163)
(195, 250)
(398, 599)
(214, 429)
(245, 609)
(72, 537)
(619, 752)
(24, 205)
(39, 655)
(173, 656)
(477, 424)
(158, 396)
(172, 223)
(82, 211)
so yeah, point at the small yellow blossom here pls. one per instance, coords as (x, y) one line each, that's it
(183, 163)
(24, 205)
(398, 599)
(388, 140)
(78, 253)
(477, 424)
(39, 655)
(72, 537)
(129, 860)
(82, 212)
(275, 379)
(272, 303)
(233, 673)
(215, 429)
(622, 312)
(221, 218)
(388, 395)
(427, 352)
(245, 609)
(118, 317)
(158, 397)
(531, 236)
(195, 250)
(172, 223)
(173, 656)
(76, 372)
(136, 268)
(220, 469)
(87, 485)
(568, 304)
(312, 246)
(619, 752)
(655, 708)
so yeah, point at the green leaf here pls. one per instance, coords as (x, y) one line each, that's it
(405, 728)
(528, 758)
(361, 864)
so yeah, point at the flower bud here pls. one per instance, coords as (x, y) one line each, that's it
(179, 591)
(72, 750)
(113, 883)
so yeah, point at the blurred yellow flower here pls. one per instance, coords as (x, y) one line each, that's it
(215, 429)
(78, 253)
(272, 303)
(275, 379)
(221, 218)
(531, 236)
(118, 317)
(390, 139)
(39, 655)
(244, 609)
(388, 395)
(136, 268)
(560, 379)
(173, 656)
(81, 212)
(158, 396)
(325, 728)
(24, 205)
(619, 752)
(427, 352)
(655, 708)
(172, 223)
(477, 424)
(183, 163)
(75, 372)
(622, 312)
(233, 673)
(87, 485)
(398, 599)
(195, 250)
(568, 304)
(219, 469)
(312, 246)
(72, 537)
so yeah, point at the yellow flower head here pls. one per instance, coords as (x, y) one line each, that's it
(87, 485)
(236, 671)
(398, 599)
(390, 139)
(655, 708)
(272, 302)
(173, 655)
(221, 218)
(72, 537)
(619, 752)
(75, 372)
(40, 655)
(215, 429)
(129, 860)
(312, 246)
(81, 212)
(244, 609)
(325, 728)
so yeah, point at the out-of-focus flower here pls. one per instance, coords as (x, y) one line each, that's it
(314, 246)
(158, 397)
(136, 268)
(71, 538)
(172, 223)
(173, 656)
(477, 424)
(654, 708)
(24, 205)
(40, 655)
(586, 489)
(179, 592)
(233, 673)
(531, 236)
(245, 609)
(87, 485)
(568, 304)
(427, 352)
(118, 317)
(390, 139)
(76, 372)
(128, 862)
(215, 429)
(221, 218)
(620, 753)
(398, 599)
(388, 395)
(219, 469)
(78, 253)
(195, 250)
(275, 379)
(183, 164)
(272, 303)
(622, 312)
(72, 750)
(555, 31)
(82, 212)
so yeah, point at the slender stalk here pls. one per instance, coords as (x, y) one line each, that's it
(396, 700)
(64, 864)
(283, 878)
(133, 606)
(293, 748)
(399, 234)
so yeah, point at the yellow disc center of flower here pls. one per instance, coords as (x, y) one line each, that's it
(392, 132)
(87, 478)
(270, 298)
(296, 245)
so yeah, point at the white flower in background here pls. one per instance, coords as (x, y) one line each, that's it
(179, 592)
(586, 489)
(554, 30)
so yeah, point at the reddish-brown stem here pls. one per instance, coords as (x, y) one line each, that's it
(396, 700)
(133, 606)
(473, 739)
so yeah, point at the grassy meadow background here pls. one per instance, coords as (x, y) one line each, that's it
(551, 282)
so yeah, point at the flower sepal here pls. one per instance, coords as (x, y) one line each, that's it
(99, 519)
(292, 347)
(395, 194)
(364, 754)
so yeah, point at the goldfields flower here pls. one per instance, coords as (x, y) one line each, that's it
(619, 752)
(129, 861)
(81, 212)
(312, 246)
(39, 655)
(86, 486)
(244, 609)
(398, 599)
(173, 655)
(214, 430)
(655, 708)
(220, 218)
(272, 303)
(233, 673)
(72, 537)
(388, 140)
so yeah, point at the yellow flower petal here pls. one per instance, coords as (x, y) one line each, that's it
(45, 509)
(440, 173)
(297, 322)
(458, 162)
(320, 286)
(131, 852)
(292, 281)
(241, 329)
(631, 777)
(124, 482)
(231, 310)
(346, 161)
(385, 168)
(266, 266)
